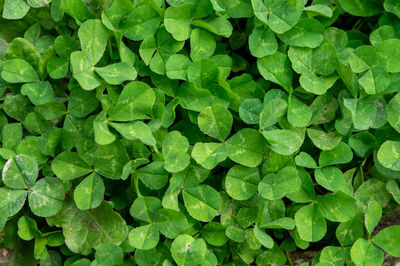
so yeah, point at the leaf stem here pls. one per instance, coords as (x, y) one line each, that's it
(136, 183)
(288, 257)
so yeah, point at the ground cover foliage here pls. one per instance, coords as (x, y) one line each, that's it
(198, 132)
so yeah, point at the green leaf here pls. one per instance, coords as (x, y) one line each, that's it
(282, 141)
(249, 110)
(214, 234)
(83, 71)
(46, 197)
(387, 241)
(18, 71)
(209, 155)
(118, 10)
(316, 84)
(360, 7)
(135, 102)
(202, 73)
(237, 9)
(389, 155)
(363, 112)
(333, 255)
(339, 155)
(373, 215)
(16, 106)
(93, 37)
(375, 80)
(348, 232)
(153, 175)
(279, 15)
(241, 182)
(81, 262)
(263, 237)
(308, 32)
(109, 160)
(380, 34)
(76, 9)
(362, 58)
(202, 44)
(102, 134)
(262, 42)
(393, 112)
(15, 9)
(144, 237)
(364, 252)
(217, 25)
(202, 202)
(323, 140)
(388, 51)
(31, 146)
(20, 172)
(109, 254)
(243, 86)
(69, 165)
(38, 92)
(276, 68)
(21, 48)
(235, 233)
(64, 45)
(393, 188)
(171, 223)
(281, 223)
(276, 186)
(305, 160)
(102, 224)
(27, 228)
(38, 3)
(188, 251)
(337, 207)
(177, 21)
(12, 135)
(81, 102)
(57, 67)
(195, 99)
(314, 62)
(330, 177)
(117, 73)
(392, 7)
(174, 149)
(215, 121)
(373, 189)
(135, 130)
(89, 193)
(272, 112)
(324, 108)
(11, 201)
(176, 66)
(143, 21)
(131, 167)
(298, 113)
(319, 9)
(246, 147)
(51, 111)
(144, 208)
(310, 223)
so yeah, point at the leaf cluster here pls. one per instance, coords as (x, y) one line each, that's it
(198, 132)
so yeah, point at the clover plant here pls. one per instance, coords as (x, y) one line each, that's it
(199, 132)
